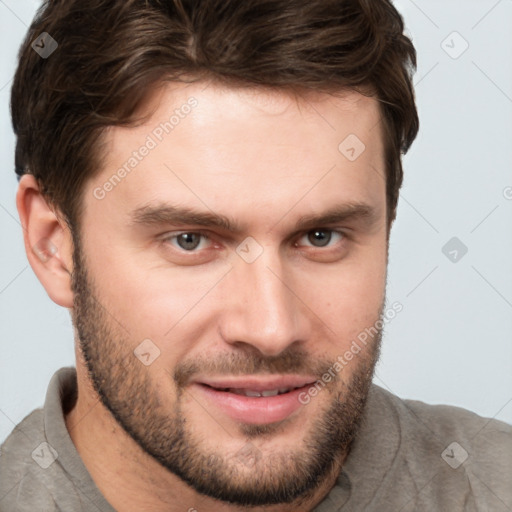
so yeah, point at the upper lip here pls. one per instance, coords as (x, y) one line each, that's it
(258, 383)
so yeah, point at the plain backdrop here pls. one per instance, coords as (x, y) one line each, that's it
(452, 342)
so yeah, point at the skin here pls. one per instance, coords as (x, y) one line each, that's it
(263, 159)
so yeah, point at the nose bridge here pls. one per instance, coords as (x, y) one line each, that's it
(263, 310)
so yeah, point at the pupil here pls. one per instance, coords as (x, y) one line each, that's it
(188, 240)
(320, 238)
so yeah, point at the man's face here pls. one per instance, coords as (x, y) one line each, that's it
(206, 278)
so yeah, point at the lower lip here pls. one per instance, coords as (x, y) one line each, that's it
(254, 410)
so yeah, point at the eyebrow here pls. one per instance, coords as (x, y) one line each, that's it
(166, 214)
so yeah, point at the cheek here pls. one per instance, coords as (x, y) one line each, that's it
(351, 296)
(160, 304)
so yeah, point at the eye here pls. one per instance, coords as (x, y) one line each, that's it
(187, 241)
(322, 237)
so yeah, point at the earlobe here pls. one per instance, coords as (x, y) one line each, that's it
(48, 241)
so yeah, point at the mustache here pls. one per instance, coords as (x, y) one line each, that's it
(251, 363)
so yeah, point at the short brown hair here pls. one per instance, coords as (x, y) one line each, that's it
(111, 52)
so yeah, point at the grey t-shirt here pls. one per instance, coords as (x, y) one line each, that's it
(408, 456)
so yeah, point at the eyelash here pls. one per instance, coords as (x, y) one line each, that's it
(167, 238)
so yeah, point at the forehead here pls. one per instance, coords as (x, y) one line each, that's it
(222, 111)
(226, 149)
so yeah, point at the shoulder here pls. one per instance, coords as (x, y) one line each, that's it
(23, 455)
(423, 423)
(22, 441)
(484, 437)
(31, 474)
(440, 417)
(461, 452)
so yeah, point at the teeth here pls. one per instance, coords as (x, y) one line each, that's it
(252, 393)
(248, 392)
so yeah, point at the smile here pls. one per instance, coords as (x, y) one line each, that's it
(254, 393)
(254, 400)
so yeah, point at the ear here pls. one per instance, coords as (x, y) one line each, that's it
(48, 242)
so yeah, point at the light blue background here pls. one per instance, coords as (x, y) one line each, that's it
(452, 343)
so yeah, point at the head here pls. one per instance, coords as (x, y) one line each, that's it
(216, 183)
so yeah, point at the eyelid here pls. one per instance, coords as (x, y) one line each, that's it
(172, 235)
(342, 234)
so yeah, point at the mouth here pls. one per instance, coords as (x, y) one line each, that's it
(254, 393)
(254, 400)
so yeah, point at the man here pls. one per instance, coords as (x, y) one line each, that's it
(209, 187)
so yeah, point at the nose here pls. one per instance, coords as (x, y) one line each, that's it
(263, 309)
